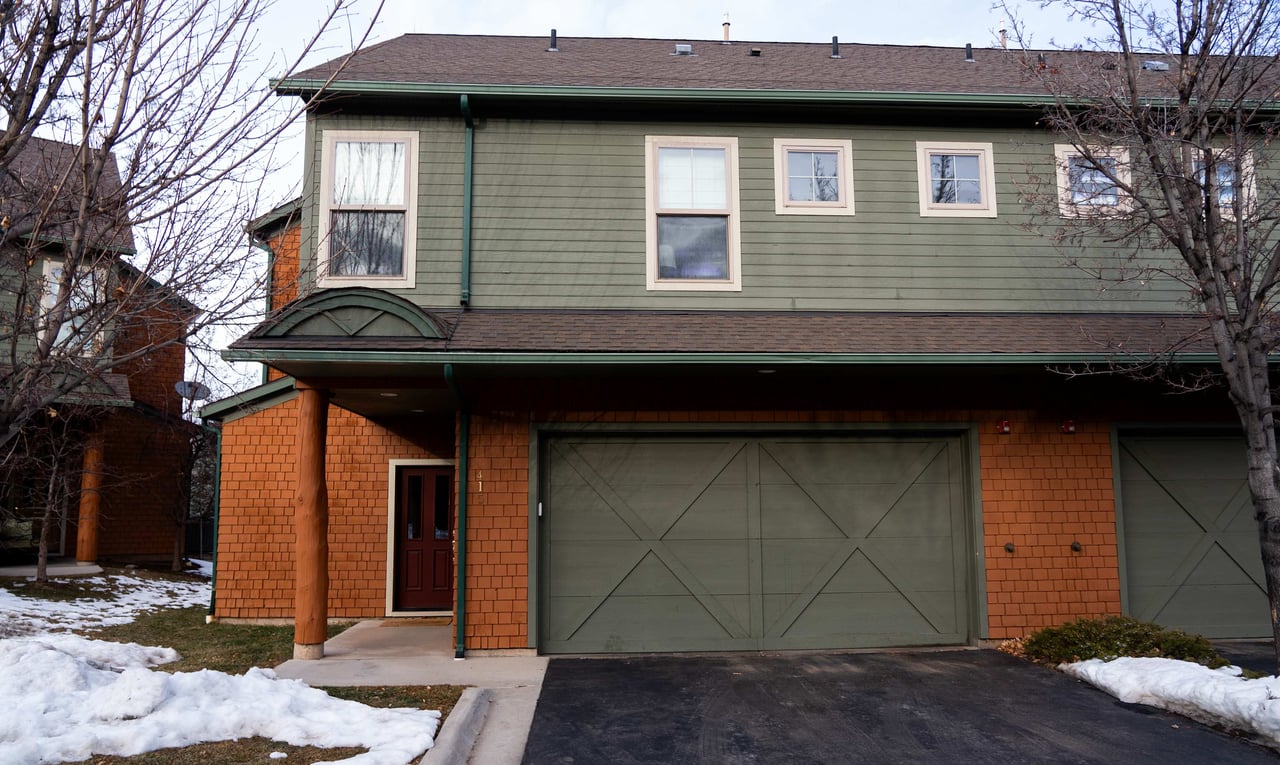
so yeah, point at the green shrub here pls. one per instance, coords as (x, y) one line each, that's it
(1110, 637)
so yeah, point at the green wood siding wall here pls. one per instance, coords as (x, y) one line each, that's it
(559, 222)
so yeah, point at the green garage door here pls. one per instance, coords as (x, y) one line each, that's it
(1190, 542)
(743, 543)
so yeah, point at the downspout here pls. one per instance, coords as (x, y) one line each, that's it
(217, 505)
(468, 170)
(271, 272)
(464, 448)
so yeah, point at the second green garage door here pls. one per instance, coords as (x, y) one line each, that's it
(741, 543)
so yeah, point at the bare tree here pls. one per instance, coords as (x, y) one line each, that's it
(1171, 119)
(136, 136)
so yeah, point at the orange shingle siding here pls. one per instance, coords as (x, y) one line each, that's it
(286, 247)
(1041, 490)
(256, 533)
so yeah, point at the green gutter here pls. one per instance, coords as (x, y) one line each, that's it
(219, 409)
(301, 87)
(468, 167)
(464, 447)
(217, 507)
(683, 359)
(290, 86)
(254, 241)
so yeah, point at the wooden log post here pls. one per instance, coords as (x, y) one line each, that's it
(90, 500)
(311, 524)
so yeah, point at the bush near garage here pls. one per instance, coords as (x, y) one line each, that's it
(1110, 637)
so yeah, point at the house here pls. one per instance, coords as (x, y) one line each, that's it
(627, 345)
(116, 438)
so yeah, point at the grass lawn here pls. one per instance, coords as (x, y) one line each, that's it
(231, 648)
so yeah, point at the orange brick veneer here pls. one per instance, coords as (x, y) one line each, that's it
(256, 533)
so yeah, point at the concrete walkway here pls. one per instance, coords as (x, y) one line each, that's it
(491, 721)
(55, 570)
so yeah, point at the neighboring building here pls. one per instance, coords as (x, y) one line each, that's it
(617, 345)
(120, 435)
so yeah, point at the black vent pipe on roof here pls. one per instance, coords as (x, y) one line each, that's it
(553, 48)
(968, 53)
(835, 47)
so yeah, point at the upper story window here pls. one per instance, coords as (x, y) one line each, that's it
(813, 176)
(1228, 185)
(691, 237)
(368, 208)
(1088, 182)
(957, 179)
(80, 333)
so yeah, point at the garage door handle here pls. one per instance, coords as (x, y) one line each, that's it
(539, 509)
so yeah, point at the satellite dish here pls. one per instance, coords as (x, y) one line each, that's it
(192, 390)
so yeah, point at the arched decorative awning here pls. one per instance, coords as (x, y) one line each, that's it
(352, 312)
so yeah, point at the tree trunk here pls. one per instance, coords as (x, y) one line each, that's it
(47, 517)
(179, 534)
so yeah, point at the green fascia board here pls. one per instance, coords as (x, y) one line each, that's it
(686, 359)
(292, 86)
(254, 397)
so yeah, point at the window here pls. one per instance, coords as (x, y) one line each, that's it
(81, 331)
(368, 209)
(956, 179)
(1226, 184)
(691, 238)
(813, 177)
(1087, 184)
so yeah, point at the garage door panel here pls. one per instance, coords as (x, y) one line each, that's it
(678, 461)
(581, 515)
(916, 514)
(719, 512)
(772, 549)
(1191, 549)
(593, 570)
(720, 566)
(786, 510)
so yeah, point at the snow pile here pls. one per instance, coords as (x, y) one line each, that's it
(133, 595)
(67, 697)
(1215, 696)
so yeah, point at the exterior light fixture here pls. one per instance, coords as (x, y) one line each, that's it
(388, 394)
(1003, 428)
(1068, 427)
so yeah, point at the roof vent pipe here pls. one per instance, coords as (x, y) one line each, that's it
(835, 47)
(553, 48)
(726, 30)
(968, 53)
(1004, 38)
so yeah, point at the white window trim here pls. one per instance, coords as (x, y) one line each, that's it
(392, 465)
(1246, 185)
(48, 296)
(652, 283)
(986, 164)
(783, 205)
(329, 139)
(1063, 152)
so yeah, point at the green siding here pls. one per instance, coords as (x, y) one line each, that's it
(559, 223)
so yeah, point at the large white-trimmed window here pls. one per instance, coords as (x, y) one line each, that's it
(813, 176)
(1087, 181)
(691, 234)
(81, 331)
(1228, 184)
(957, 179)
(368, 208)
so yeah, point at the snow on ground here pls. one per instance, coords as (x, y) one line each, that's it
(134, 595)
(67, 697)
(1215, 696)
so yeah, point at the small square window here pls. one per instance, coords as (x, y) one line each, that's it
(368, 209)
(813, 176)
(691, 240)
(956, 179)
(1090, 180)
(1227, 184)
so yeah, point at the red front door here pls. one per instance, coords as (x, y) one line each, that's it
(424, 539)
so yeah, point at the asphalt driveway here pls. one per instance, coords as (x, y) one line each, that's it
(929, 707)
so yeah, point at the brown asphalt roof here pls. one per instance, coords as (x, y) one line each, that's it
(40, 193)
(746, 332)
(648, 63)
